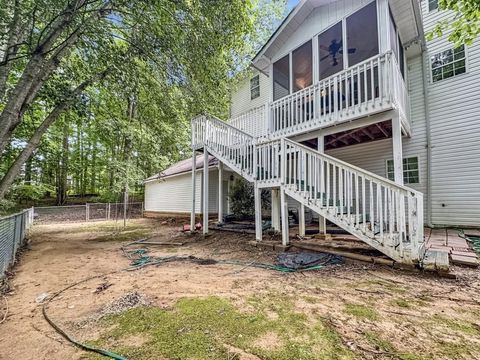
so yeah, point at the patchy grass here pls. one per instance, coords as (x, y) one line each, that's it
(209, 328)
(386, 346)
(401, 303)
(361, 311)
(459, 325)
(124, 235)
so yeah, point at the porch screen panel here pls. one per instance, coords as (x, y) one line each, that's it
(330, 51)
(362, 34)
(302, 67)
(281, 78)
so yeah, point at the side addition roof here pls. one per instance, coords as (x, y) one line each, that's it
(182, 167)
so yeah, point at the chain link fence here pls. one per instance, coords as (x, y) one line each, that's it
(13, 231)
(88, 212)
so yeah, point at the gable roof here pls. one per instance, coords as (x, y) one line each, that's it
(182, 167)
(405, 12)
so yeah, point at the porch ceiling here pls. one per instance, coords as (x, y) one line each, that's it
(377, 131)
(408, 19)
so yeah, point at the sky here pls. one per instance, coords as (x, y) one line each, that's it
(291, 4)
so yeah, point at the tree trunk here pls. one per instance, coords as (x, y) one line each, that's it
(39, 68)
(34, 141)
(63, 169)
(28, 171)
(94, 172)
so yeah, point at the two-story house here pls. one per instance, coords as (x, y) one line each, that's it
(352, 114)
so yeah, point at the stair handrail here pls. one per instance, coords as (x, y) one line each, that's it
(404, 215)
(356, 168)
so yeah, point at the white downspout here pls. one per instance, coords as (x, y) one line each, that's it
(428, 134)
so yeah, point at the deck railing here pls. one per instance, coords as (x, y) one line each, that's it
(231, 145)
(364, 203)
(252, 122)
(372, 86)
(387, 212)
(360, 90)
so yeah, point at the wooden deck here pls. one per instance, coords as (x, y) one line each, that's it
(449, 243)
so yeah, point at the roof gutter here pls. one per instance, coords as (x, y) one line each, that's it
(158, 178)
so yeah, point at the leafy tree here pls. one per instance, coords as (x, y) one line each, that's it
(97, 94)
(465, 27)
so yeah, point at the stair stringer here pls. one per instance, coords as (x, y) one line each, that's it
(387, 250)
(231, 165)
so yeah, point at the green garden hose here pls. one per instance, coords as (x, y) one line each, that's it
(140, 259)
(69, 337)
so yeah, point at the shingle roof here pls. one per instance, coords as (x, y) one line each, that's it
(184, 166)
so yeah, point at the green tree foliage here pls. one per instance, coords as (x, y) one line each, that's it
(242, 198)
(465, 27)
(96, 95)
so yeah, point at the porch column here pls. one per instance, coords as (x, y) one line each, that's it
(276, 210)
(284, 211)
(205, 191)
(220, 192)
(258, 212)
(301, 220)
(397, 148)
(322, 226)
(194, 186)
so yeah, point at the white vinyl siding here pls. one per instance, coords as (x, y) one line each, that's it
(455, 125)
(373, 156)
(174, 194)
(241, 98)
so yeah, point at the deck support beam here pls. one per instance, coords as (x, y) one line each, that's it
(301, 220)
(205, 191)
(194, 186)
(397, 148)
(284, 212)
(276, 210)
(220, 192)
(322, 224)
(258, 212)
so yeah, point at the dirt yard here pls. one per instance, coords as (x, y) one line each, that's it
(207, 310)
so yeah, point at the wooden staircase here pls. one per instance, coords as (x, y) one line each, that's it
(383, 214)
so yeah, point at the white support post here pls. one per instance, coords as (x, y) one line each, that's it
(258, 213)
(301, 220)
(276, 210)
(194, 186)
(397, 148)
(284, 211)
(220, 192)
(322, 226)
(205, 191)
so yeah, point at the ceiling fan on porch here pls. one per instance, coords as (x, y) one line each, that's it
(334, 49)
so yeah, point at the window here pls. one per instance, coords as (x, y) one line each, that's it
(448, 63)
(432, 5)
(411, 173)
(302, 67)
(362, 34)
(255, 87)
(281, 78)
(330, 49)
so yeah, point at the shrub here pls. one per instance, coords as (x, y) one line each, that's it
(242, 198)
